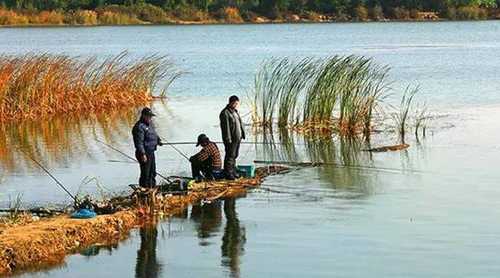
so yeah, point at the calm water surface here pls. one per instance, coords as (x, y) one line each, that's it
(438, 217)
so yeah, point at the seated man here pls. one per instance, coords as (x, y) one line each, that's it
(207, 162)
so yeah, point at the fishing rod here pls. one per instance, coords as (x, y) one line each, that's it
(128, 156)
(243, 143)
(51, 176)
(176, 149)
(313, 164)
(181, 153)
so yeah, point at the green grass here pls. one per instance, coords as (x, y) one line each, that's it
(340, 89)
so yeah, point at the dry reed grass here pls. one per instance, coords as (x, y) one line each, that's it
(36, 86)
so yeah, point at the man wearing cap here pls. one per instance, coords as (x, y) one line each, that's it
(146, 141)
(206, 162)
(232, 134)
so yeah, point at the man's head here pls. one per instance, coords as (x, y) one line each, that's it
(202, 140)
(147, 115)
(234, 102)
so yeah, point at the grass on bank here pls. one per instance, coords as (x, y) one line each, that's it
(218, 12)
(34, 86)
(339, 94)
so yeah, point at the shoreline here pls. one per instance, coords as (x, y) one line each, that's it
(46, 242)
(267, 22)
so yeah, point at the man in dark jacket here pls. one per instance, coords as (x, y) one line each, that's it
(206, 163)
(146, 141)
(232, 134)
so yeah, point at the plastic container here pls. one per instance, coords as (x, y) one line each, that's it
(83, 214)
(247, 171)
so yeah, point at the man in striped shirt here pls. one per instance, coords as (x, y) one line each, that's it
(206, 163)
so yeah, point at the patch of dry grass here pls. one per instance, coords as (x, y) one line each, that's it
(35, 86)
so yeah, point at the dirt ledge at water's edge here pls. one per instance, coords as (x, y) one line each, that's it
(48, 241)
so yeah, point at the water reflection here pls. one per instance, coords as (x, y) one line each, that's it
(59, 140)
(233, 240)
(147, 265)
(209, 220)
(344, 160)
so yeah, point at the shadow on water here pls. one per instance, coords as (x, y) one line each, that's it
(208, 219)
(233, 240)
(147, 265)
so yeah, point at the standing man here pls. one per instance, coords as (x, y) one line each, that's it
(146, 141)
(232, 134)
(206, 163)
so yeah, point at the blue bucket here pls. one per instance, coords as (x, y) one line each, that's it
(83, 214)
(247, 171)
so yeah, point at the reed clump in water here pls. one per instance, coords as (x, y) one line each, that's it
(35, 86)
(337, 94)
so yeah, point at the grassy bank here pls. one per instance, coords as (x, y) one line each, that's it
(150, 14)
(36, 86)
(47, 242)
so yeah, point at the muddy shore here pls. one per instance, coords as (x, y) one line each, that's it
(48, 241)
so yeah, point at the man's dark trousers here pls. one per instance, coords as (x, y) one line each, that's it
(202, 167)
(148, 171)
(231, 153)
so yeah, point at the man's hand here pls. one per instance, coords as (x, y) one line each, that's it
(144, 158)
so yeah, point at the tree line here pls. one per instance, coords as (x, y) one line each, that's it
(247, 10)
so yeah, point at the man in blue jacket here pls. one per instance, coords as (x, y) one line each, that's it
(146, 141)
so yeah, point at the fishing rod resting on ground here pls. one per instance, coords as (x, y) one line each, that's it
(51, 176)
(313, 164)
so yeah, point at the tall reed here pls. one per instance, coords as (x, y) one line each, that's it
(35, 86)
(337, 93)
(402, 114)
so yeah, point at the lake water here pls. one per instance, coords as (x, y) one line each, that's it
(435, 217)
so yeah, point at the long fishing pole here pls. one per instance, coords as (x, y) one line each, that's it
(50, 175)
(128, 156)
(176, 149)
(242, 142)
(181, 153)
(313, 164)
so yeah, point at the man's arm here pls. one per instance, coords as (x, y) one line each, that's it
(138, 135)
(224, 125)
(242, 127)
(202, 155)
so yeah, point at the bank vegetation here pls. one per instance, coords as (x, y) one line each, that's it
(36, 86)
(103, 12)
